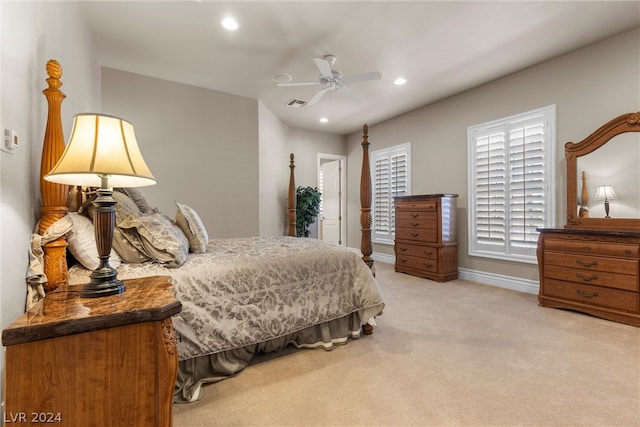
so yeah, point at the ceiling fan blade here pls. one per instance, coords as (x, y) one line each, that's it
(324, 68)
(372, 75)
(352, 94)
(298, 84)
(317, 96)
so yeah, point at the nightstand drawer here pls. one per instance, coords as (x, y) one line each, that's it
(592, 295)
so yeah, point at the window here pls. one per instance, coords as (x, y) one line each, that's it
(511, 184)
(391, 172)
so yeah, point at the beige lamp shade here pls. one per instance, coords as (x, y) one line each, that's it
(100, 147)
(605, 192)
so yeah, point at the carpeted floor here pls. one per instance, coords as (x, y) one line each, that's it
(443, 354)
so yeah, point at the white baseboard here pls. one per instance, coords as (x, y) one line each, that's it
(492, 279)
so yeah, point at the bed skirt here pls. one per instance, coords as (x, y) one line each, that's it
(196, 372)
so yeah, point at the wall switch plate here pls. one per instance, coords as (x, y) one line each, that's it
(10, 140)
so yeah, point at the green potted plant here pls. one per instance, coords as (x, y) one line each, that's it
(307, 209)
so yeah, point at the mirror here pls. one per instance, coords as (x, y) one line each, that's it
(609, 156)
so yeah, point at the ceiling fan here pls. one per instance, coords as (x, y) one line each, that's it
(334, 80)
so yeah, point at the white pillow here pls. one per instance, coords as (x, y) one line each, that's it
(82, 243)
(192, 227)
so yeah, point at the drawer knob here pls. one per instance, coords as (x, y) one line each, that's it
(428, 252)
(428, 265)
(586, 248)
(415, 215)
(586, 294)
(403, 260)
(415, 224)
(415, 234)
(587, 264)
(403, 249)
(586, 278)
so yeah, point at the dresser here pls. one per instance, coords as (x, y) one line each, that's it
(426, 236)
(109, 361)
(591, 271)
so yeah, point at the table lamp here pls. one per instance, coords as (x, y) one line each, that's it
(102, 152)
(605, 192)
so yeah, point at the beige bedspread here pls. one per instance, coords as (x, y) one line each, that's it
(248, 290)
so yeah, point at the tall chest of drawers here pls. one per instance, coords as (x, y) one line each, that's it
(591, 271)
(426, 236)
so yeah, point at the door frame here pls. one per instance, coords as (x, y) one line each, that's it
(343, 191)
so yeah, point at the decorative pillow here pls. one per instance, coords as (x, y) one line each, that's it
(82, 243)
(136, 196)
(162, 240)
(192, 227)
(125, 207)
(128, 245)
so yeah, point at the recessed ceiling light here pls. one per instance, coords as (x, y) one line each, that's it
(399, 81)
(324, 120)
(230, 24)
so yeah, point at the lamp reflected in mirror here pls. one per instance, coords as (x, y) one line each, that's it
(606, 193)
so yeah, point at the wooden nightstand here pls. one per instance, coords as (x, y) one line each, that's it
(108, 361)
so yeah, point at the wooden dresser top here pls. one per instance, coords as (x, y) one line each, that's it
(62, 312)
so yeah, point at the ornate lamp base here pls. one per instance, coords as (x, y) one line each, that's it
(104, 280)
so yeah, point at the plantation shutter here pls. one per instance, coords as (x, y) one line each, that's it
(391, 179)
(511, 184)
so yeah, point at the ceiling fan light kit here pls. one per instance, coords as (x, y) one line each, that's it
(333, 80)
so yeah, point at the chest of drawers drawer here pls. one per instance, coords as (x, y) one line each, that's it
(420, 206)
(594, 248)
(593, 277)
(611, 265)
(417, 234)
(404, 249)
(423, 264)
(592, 295)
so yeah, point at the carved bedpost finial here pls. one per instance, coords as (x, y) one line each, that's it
(54, 196)
(365, 200)
(291, 202)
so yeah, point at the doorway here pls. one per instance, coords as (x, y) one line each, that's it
(332, 184)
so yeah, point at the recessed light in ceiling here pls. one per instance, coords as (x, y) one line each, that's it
(282, 78)
(324, 120)
(230, 23)
(399, 81)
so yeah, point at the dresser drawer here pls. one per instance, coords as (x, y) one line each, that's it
(417, 251)
(418, 234)
(430, 224)
(428, 206)
(593, 248)
(592, 295)
(601, 278)
(611, 265)
(430, 265)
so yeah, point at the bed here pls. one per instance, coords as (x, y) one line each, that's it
(240, 297)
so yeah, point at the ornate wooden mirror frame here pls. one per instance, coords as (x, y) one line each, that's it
(629, 122)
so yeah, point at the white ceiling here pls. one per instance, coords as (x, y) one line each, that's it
(440, 47)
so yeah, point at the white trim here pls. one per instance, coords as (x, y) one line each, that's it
(498, 280)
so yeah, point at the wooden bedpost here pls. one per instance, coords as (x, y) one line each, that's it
(365, 200)
(54, 196)
(291, 201)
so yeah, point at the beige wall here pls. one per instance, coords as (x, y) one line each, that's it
(589, 87)
(30, 35)
(201, 145)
